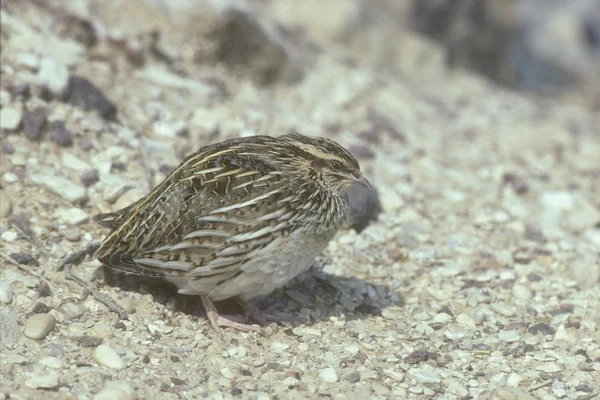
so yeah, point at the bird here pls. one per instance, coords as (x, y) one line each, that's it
(236, 219)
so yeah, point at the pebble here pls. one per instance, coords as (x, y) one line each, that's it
(328, 375)
(60, 186)
(117, 390)
(60, 134)
(33, 123)
(9, 236)
(86, 95)
(54, 76)
(72, 310)
(108, 357)
(9, 177)
(89, 178)
(351, 375)
(509, 336)
(170, 129)
(279, 347)
(9, 328)
(6, 295)
(75, 163)
(10, 118)
(504, 309)
(49, 380)
(39, 325)
(424, 375)
(72, 216)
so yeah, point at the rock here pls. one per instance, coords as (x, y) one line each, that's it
(60, 134)
(60, 186)
(513, 394)
(542, 328)
(5, 205)
(170, 129)
(24, 259)
(39, 325)
(54, 76)
(351, 375)
(86, 95)
(117, 390)
(509, 336)
(586, 270)
(328, 375)
(424, 375)
(107, 357)
(245, 44)
(76, 164)
(6, 295)
(50, 380)
(365, 207)
(72, 310)
(9, 236)
(10, 118)
(89, 178)
(9, 177)
(33, 123)
(72, 216)
(9, 328)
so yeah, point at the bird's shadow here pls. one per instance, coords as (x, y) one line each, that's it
(315, 294)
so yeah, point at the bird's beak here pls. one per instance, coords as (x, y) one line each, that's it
(361, 180)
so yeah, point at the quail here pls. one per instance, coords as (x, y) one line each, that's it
(236, 219)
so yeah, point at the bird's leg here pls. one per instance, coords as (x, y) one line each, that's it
(76, 258)
(264, 318)
(217, 320)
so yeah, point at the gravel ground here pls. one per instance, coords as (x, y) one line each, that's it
(479, 280)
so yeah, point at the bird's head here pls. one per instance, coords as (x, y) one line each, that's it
(326, 162)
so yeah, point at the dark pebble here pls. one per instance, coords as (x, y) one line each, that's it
(236, 391)
(517, 183)
(175, 359)
(44, 290)
(7, 147)
(584, 388)
(33, 123)
(419, 356)
(85, 145)
(88, 178)
(368, 309)
(534, 233)
(541, 327)
(86, 95)
(446, 310)
(60, 134)
(40, 308)
(24, 259)
(20, 90)
(87, 341)
(176, 381)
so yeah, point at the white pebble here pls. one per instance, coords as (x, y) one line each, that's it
(10, 118)
(74, 163)
(117, 390)
(504, 309)
(6, 295)
(39, 325)
(72, 216)
(328, 375)
(279, 347)
(108, 357)
(9, 177)
(9, 236)
(48, 381)
(60, 186)
(509, 336)
(425, 375)
(54, 76)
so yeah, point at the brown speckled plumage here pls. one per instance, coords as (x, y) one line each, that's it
(238, 218)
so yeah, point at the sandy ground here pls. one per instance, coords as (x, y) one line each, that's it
(479, 280)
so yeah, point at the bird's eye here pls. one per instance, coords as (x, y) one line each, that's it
(336, 166)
